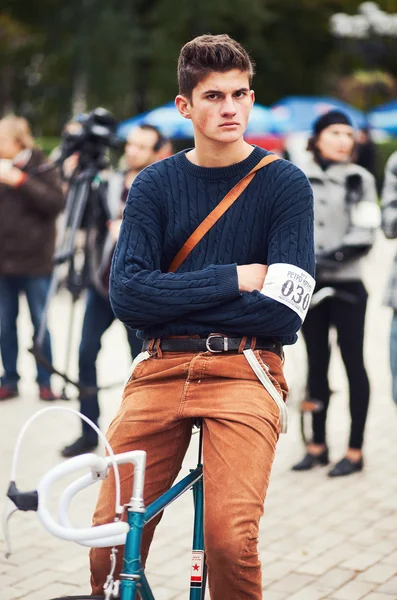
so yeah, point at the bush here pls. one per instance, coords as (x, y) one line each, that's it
(47, 144)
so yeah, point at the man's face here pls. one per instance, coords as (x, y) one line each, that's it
(139, 150)
(220, 106)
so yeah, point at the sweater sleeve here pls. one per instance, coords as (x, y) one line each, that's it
(141, 295)
(44, 193)
(290, 241)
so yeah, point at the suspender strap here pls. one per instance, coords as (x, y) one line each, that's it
(218, 211)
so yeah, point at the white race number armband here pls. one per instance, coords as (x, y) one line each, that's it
(289, 285)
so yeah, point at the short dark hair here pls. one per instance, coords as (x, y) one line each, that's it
(206, 54)
(161, 139)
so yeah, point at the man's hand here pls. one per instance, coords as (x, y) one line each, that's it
(13, 177)
(69, 165)
(114, 229)
(251, 277)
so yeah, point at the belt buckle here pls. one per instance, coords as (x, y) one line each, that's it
(219, 336)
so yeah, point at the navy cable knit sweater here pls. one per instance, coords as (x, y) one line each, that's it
(271, 222)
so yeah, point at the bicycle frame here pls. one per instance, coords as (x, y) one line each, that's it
(133, 578)
(133, 581)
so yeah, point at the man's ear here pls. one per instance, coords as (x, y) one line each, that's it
(183, 105)
(252, 94)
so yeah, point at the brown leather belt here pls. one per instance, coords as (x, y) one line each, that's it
(214, 343)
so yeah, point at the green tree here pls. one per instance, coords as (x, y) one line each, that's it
(59, 57)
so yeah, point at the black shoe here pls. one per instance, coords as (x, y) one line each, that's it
(312, 460)
(346, 467)
(80, 446)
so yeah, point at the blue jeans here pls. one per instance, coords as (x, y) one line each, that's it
(393, 355)
(35, 289)
(98, 317)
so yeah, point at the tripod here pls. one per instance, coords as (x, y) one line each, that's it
(80, 215)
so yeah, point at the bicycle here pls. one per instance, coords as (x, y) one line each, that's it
(308, 405)
(133, 580)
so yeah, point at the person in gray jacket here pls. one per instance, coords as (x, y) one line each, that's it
(346, 216)
(389, 226)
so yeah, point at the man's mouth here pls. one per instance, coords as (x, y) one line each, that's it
(229, 124)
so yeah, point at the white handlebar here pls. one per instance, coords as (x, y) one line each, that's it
(102, 535)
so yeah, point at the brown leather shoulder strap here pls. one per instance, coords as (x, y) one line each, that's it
(218, 211)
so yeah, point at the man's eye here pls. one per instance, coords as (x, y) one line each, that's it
(240, 94)
(212, 96)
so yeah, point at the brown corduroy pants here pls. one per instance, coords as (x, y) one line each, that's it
(163, 397)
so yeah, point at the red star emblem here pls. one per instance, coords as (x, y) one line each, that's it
(196, 567)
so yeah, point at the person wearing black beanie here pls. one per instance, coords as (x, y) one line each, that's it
(345, 218)
(329, 143)
(333, 117)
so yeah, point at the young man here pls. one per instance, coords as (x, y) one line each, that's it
(227, 286)
(145, 145)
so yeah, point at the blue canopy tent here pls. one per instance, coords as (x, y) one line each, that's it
(166, 118)
(173, 125)
(297, 113)
(384, 117)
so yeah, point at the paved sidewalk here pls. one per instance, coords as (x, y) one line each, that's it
(321, 539)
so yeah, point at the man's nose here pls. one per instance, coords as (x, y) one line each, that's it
(132, 151)
(228, 106)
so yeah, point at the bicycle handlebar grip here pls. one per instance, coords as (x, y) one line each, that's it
(63, 512)
(99, 468)
(103, 535)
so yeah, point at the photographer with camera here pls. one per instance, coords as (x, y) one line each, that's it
(145, 145)
(29, 205)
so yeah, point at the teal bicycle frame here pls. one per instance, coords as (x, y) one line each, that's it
(133, 581)
(133, 578)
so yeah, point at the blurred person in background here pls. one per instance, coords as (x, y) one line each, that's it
(346, 216)
(29, 205)
(145, 145)
(389, 226)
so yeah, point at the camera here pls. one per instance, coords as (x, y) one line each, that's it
(91, 135)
